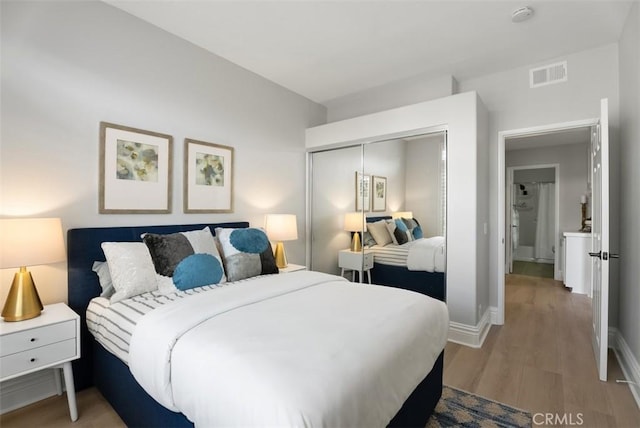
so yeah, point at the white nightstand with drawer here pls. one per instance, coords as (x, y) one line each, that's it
(50, 341)
(360, 261)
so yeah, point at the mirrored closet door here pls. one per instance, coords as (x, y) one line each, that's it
(399, 182)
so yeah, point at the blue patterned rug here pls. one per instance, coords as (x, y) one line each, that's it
(458, 408)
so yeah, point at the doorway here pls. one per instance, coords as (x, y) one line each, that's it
(504, 243)
(533, 192)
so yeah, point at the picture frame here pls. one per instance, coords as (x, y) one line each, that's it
(363, 192)
(135, 171)
(208, 177)
(379, 192)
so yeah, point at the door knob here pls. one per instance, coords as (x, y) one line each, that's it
(598, 254)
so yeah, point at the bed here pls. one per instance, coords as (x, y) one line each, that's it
(390, 268)
(113, 377)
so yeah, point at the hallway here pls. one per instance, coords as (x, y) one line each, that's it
(541, 360)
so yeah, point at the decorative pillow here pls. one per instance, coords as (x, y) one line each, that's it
(130, 268)
(391, 227)
(367, 239)
(398, 236)
(191, 259)
(380, 233)
(415, 231)
(247, 252)
(402, 232)
(104, 277)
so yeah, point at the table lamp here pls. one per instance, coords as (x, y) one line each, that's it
(354, 222)
(281, 227)
(26, 242)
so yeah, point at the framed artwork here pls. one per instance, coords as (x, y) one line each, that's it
(208, 177)
(363, 192)
(135, 171)
(379, 193)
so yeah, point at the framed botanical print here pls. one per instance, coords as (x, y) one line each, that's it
(363, 192)
(135, 170)
(379, 199)
(208, 177)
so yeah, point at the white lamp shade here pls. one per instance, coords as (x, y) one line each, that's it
(281, 227)
(402, 214)
(31, 241)
(354, 222)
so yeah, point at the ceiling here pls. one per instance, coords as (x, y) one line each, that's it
(327, 49)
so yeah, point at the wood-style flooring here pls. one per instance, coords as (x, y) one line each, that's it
(544, 270)
(541, 361)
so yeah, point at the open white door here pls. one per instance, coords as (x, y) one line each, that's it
(600, 237)
(510, 200)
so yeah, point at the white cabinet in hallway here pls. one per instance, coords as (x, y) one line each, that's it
(577, 263)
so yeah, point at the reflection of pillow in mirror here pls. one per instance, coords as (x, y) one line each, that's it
(412, 224)
(367, 239)
(402, 232)
(398, 236)
(380, 232)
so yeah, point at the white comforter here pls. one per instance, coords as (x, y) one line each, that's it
(427, 254)
(298, 349)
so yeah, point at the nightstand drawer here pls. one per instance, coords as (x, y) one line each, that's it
(36, 358)
(37, 337)
(368, 261)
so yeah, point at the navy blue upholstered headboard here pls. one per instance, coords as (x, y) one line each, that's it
(378, 218)
(83, 248)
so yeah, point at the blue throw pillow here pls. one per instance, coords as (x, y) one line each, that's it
(247, 252)
(417, 232)
(400, 225)
(197, 270)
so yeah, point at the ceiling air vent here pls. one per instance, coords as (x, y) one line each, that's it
(547, 75)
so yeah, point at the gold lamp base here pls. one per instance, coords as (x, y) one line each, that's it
(356, 246)
(281, 257)
(23, 302)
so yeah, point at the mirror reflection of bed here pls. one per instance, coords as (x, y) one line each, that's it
(415, 171)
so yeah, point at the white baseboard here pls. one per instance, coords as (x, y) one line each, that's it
(628, 362)
(470, 335)
(27, 389)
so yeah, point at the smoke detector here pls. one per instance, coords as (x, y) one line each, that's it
(521, 14)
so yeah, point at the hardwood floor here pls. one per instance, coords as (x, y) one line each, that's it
(541, 361)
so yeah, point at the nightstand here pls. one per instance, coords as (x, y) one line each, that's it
(360, 261)
(50, 341)
(292, 268)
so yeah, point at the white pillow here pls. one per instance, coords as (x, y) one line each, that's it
(380, 233)
(131, 269)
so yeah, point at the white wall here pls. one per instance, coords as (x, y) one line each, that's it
(66, 66)
(423, 171)
(395, 94)
(629, 314)
(593, 74)
(459, 113)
